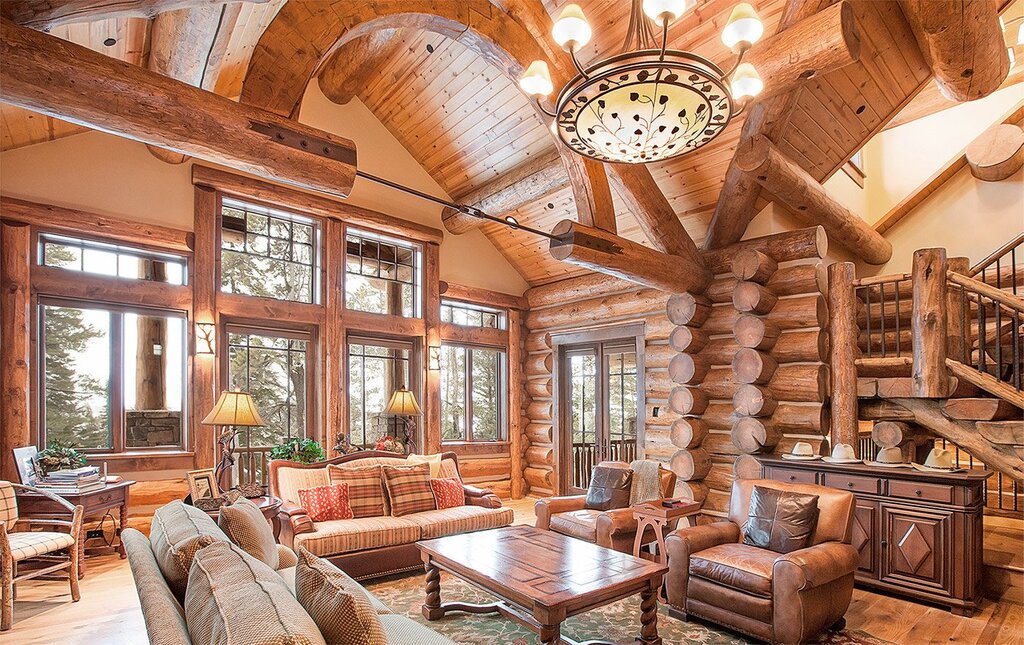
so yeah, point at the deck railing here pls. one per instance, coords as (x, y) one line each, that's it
(586, 455)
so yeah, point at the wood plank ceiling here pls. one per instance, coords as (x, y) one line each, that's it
(467, 124)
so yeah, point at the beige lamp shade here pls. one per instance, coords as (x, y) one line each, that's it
(403, 404)
(234, 409)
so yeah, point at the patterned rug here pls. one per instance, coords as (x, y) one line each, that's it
(618, 622)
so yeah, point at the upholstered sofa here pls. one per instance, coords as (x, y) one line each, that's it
(163, 598)
(372, 546)
(775, 597)
(614, 528)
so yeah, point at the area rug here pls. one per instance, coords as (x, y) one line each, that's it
(618, 622)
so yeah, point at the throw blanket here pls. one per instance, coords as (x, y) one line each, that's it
(646, 481)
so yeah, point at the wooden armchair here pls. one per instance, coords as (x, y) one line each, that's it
(614, 528)
(27, 543)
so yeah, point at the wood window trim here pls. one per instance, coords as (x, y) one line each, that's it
(242, 187)
(418, 285)
(416, 384)
(479, 296)
(502, 389)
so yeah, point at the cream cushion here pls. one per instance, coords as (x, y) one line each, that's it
(460, 519)
(338, 606)
(243, 522)
(580, 524)
(434, 461)
(291, 480)
(344, 536)
(234, 599)
(177, 533)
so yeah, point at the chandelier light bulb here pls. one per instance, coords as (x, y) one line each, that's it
(746, 82)
(744, 27)
(571, 30)
(1013, 61)
(536, 81)
(1020, 34)
(661, 10)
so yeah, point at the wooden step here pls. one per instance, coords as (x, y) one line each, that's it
(980, 409)
(869, 387)
(1004, 433)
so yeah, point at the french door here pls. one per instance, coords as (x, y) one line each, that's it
(598, 406)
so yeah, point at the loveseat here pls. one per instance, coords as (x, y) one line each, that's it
(365, 547)
(162, 595)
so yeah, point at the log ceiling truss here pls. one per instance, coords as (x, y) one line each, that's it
(449, 95)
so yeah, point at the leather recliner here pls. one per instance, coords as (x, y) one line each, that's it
(613, 529)
(776, 597)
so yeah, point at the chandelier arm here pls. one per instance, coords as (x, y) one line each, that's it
(739, 59)
(544, 109)
(575, 61)
(743, 106)
(664, 39)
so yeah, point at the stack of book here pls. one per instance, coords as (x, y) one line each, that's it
(72, 482)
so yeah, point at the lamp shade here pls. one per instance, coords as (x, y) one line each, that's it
(746, 82)
(234, 409)
(744, 27)
(571, 28)
(537, 79)
(403, 404)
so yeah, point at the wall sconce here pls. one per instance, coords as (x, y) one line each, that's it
(434, 358)
(206, 338)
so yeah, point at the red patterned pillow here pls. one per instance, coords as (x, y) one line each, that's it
(325, 503)
(448, 492)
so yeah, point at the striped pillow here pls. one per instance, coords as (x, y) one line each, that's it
(365, 491)
(409, 489)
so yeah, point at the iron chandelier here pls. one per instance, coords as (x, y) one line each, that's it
(647, 103)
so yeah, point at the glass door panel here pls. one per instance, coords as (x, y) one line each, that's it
(582, 415)
(620, 372)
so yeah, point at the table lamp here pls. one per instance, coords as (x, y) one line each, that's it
(235, 409)
(403, 404)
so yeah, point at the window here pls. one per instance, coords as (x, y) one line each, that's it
(268, 253)
(468, 315)
(472, 394)
(382, 275)
(376, 368)
(112, 378)
(111, 260)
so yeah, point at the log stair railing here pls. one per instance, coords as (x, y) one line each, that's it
(939, 350)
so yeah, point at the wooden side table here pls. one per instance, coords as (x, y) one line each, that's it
(268, 504)
(95, 504)
(653, 514)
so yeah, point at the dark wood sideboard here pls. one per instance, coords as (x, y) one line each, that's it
(918, 534)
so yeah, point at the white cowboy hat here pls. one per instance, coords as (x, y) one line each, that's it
(842, 454)
(802, 451)
(939, 460)
(889, 458)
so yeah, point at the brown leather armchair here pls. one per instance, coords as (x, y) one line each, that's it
(614, 529)
(776, 597)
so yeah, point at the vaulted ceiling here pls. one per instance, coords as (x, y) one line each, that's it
(467, 123)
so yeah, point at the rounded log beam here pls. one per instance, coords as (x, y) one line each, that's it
(695, 491)
(750, 297)
(687, 400)
(755, 333)
(997, 153)
(688, 309)
(688, 432)
(800, 244)
(538, 432)
(753, 367)
(687, 369)
(753, 266)
(690, 465)
(687, 339)
(755, 436)
(746, 467)
(753, 401)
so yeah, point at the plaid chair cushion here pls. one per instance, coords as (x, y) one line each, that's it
(8, 505)
(339, 607)
(244, 524)
(409, 489)
(365, 490)
(448, 493)
(325, 503)
(29, 544)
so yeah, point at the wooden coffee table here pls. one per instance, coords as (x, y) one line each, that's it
(542, 578)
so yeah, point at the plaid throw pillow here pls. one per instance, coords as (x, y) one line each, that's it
(409, 489)
(325, 503)
(365, 491)
(448, 493)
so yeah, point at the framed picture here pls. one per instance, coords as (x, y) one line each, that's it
(202, 484)
(25, 459)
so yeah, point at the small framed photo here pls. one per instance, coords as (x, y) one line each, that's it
(25, 459)
(202, 484)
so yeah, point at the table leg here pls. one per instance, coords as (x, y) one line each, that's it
(638, 541)
(550, 634)
(81, 552)
(432, 606)
(122, 524)
(649, 614)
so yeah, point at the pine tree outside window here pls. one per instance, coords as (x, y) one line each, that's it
(472, 394)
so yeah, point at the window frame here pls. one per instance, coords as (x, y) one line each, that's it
(419, 270)
(415, 377)
(116, 401)
(83, 242)
(501, 388)
(499, 312)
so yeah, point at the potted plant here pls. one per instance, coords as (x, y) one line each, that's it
(304, 451)
(59, 456)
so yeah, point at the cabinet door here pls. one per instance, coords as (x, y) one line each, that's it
(915, 547)
(864, 536)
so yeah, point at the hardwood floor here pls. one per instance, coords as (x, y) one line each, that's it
(109, 610)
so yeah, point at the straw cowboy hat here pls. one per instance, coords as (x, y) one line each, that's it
(802, 451)
(889, 458)
(939, 460)
(843, 454)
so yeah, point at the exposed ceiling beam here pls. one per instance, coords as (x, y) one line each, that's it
(612, 255)
(802, 193)
(47, 14)
(963, 44)
(356, 62)
(70, 82)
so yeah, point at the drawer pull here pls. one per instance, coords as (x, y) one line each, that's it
(849, 484)
(918, 493)
(884, 543)
(792, 478)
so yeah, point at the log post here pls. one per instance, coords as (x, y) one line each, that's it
(15, 314)
(515, 402)
(955, 346)
(843, 332)
(205, 287)
(930, 377)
